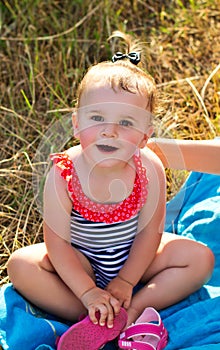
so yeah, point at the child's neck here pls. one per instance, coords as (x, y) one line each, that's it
(106, 185)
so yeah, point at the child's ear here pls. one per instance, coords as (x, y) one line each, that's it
(146, 136)
(75, 124)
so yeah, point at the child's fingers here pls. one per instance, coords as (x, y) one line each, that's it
(103, 311)
(99, 314)
(93, 314)
(116, 305)
(110, 317)
(113, 310)
(106, 315)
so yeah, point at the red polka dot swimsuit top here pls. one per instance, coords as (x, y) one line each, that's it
(98, 212)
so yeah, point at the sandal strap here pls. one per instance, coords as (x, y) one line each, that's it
(127, 344)
(143, 329)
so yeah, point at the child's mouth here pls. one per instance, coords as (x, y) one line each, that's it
(106, 148)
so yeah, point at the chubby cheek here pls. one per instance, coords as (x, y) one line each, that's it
(134, 138)
(88, 136)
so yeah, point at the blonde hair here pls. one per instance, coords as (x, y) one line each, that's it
(122, 74)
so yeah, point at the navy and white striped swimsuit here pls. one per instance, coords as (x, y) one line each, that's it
(104, 237)
(106, 246)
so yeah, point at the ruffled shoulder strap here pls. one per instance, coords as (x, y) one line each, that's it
(64, 163)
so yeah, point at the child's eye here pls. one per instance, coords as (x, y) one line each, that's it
(97, 118)
(125, 122)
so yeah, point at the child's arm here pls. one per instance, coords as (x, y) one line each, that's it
(193, 155)
(57, 208)
(146, 243)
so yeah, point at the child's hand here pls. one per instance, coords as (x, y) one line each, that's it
(97, 299)
(121, 290)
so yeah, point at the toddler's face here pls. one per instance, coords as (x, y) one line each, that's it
(111, 125)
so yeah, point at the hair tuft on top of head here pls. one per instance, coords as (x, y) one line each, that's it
(128, 44)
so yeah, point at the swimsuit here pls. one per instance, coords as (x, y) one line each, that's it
(104, 233)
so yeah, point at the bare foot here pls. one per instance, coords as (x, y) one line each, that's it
(133, 314)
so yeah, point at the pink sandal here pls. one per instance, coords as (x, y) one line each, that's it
(85, 335)
(148, 333)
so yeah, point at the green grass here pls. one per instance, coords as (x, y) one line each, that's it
(45, 48)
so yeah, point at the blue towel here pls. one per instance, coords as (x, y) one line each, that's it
(192, 324)
(195, 213)
(24, 327)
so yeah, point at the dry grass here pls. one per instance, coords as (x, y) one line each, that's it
(46, 47)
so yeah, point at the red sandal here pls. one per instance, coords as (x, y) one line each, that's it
(148, 333)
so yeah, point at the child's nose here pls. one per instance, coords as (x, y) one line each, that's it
(109, 130)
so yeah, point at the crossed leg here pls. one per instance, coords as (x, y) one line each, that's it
(180, 267)
(33, 275)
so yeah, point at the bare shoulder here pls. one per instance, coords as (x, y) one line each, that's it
(152, 215)
(74, 152)
(152, 163)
